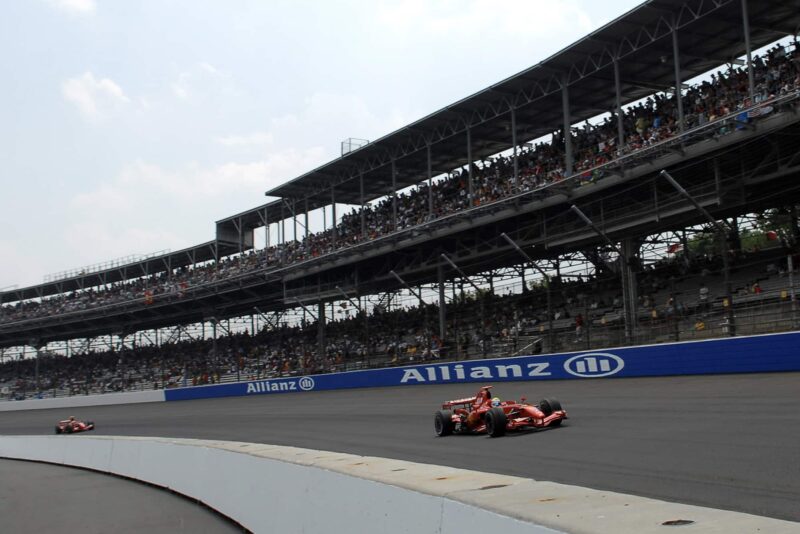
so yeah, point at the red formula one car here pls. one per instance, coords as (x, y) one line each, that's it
(73, 426)
(481, 413)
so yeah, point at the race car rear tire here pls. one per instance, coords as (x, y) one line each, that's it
(58, 430)
(443, 423)
(548, 406)
(68, 429)
(496, 422)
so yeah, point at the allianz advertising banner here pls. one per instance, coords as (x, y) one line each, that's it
(777, 352)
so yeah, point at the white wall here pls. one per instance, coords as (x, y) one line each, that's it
(78, 401)
(265, 494)
(286, 489)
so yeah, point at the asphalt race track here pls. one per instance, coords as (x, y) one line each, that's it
(48, 499)
(726, 441)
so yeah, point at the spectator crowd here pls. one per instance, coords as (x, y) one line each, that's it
(670, 291)
(647, 123)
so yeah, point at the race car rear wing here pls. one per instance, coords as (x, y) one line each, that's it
(456, 402)
(467, 400)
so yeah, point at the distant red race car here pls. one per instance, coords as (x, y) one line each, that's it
(73, 426)
(481, 413)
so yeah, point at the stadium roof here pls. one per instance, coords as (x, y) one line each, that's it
(208, 251)
(709, 33)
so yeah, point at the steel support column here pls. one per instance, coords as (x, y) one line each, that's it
(214, 341)
(238, 224)
(282, 236)
(629, 289)
(36, 370)
(722, 237)
(321, 329)
(363, 214)
(514, 143)
(333, 215)
(394, 196)
(430, 183)
(568, 158)
(266, 225)
(750, 75)
(676, 60)
(620, 122)
(442, 303)
(306, 219)
(294, 220)
(792, 295)
(470, 190)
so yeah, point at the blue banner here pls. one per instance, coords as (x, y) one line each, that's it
(753, 354)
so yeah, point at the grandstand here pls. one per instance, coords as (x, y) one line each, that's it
(532, 216)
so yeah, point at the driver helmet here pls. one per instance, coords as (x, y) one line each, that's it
(71, 417)
(496, 401)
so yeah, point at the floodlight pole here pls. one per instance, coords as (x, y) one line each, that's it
(479, 294)
(547, 279)
(721, 231)
(629, 307)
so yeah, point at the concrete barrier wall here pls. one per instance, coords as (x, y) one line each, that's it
(749, 354)
(265, 494)
(268, 488)
(78, 401)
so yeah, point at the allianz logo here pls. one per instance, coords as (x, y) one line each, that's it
(594, 365)
(305, 383)
(447, 373)
(591, 365)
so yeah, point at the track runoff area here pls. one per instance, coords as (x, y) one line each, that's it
(722, 441)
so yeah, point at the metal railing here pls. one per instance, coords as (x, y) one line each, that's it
(102, 266)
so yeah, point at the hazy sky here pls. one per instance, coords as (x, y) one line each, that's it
(130, 127)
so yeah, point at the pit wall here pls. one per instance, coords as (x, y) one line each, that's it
(268, 488)
(748, 354)
(751, 354)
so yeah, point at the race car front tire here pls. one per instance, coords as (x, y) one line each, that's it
(548, 406)
(443, 423)
(496, 422)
